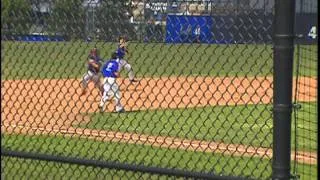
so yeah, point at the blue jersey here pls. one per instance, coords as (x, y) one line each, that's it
(110, 68)
(121, 52)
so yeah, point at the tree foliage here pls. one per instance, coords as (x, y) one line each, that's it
(67, 17)
(113, 20)
(16, 16)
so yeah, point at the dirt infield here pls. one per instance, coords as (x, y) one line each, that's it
(54, 106)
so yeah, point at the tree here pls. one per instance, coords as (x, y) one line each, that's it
(113, 20)
(67, 18)
(16, 16)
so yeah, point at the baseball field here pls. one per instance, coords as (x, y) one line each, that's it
(196, 107)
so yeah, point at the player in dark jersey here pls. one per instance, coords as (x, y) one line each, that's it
(92, 74)
(121, 52)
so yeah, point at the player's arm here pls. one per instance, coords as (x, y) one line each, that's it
(124, 45)
(93, 63)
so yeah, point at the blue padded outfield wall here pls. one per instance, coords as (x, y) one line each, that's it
(248, 28)
(181, 29)
(306, 24)
(32, 38)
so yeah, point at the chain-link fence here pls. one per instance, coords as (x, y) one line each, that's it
(121, 89)
(305, 93)
(305, 111)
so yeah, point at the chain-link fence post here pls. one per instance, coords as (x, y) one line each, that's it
(283, 68)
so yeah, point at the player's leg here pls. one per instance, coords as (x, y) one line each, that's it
(97, 83)
(117, 97)
(85, 81)
(128, 68)
(107, 93)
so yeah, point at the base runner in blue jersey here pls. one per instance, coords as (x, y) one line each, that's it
(93, 72)
(121, 52)
(110, 72)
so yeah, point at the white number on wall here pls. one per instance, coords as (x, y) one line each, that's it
(313, 32)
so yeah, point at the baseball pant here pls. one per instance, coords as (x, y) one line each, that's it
(111, 89)
(90, 76)
(127, 66)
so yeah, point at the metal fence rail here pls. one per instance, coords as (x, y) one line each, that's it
(122, 90)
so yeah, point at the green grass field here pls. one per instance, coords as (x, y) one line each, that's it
(241, 126)
(24, 60)
(128, 153)
(250, 125)
(139, 154)
(245, 124)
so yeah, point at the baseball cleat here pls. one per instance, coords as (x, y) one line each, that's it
(134, 80)
(121, 110)
(101, 108)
